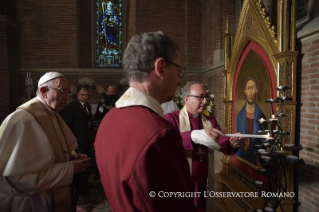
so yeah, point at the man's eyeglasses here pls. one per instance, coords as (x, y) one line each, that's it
(201, 97)
(62, 91)
(182, 69)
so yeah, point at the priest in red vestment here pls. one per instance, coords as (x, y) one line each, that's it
(139, 154)
(199, 133)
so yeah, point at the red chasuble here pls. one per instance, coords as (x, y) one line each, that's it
(142, 162)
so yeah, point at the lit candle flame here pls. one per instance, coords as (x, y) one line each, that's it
(273, 116)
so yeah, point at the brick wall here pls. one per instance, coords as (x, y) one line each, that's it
(193, 37)
(48, 33)
(130, 18)
(4, 71)
(214, 14)
(13, 63)
(84, 21)
(167, 16)
(215, 82)
(56, 35)
(9, 63)
(208, 32)
(308, 88)
(8, 8)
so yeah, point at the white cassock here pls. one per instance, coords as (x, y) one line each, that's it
(28, 168)
(169, 107)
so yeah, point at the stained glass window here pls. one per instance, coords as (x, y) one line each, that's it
(109, 33)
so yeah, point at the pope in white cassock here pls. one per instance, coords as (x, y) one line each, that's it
(37, 159)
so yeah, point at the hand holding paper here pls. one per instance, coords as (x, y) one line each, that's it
(201, 137)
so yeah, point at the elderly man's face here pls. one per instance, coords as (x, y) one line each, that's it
(110, 91)
(55, 98)
(193, 104)
(250, 91)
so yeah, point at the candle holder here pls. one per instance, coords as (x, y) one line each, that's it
(274, 155)
(292, 159)
(259, 184)
(269, 209)
(263, 132)
(282, 88)
(265, 144)
(281, 115)
(261, 121)
(279, 153)
(265, 159)
(262, 171)
(289, 147)
(263, 153)
(271, 100)
(258, 146)
(273, 119)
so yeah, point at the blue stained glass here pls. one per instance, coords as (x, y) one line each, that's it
(109, 33)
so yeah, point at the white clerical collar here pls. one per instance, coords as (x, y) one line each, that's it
(135, 97)
(52, 112)
(192, 115)
(195, 116)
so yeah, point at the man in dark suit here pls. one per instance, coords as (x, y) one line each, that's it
(78, 116)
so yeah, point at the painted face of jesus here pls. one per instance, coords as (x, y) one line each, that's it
(250, 91)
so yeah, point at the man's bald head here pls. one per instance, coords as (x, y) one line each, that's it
(111, 90)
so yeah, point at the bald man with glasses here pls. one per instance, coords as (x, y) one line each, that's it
(37, 158)
(199, 133)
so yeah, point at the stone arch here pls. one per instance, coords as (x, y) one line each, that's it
(121, 84)
(86, 81)
(96, 88)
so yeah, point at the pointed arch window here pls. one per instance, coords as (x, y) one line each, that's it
(109, 33)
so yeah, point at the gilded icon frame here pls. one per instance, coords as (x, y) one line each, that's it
(275, 46)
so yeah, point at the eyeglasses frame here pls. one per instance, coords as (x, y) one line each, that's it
(201, 98)
(182, 70)
(63, 92)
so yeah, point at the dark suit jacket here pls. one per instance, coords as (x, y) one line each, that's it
(77, 118)
(98, 115)
(109, 100)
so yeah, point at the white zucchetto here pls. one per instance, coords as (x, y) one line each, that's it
(49, 76)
